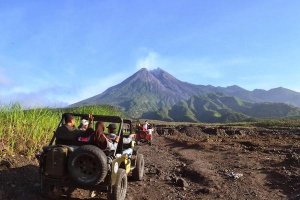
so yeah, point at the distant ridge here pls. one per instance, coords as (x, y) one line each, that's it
(157, 91)
(220, 108)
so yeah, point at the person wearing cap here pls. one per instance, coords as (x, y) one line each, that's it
(114, 139)
(83, 125)
(112, 133)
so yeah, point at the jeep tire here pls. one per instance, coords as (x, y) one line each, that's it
(138, 171)
(87, 165)
(118, 191)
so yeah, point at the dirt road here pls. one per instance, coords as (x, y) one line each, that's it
(246, 165)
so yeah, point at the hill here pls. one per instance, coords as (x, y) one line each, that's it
(220, 108)
(145, 91)
(155, 93)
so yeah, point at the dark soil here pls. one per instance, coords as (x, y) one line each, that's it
(193, 162)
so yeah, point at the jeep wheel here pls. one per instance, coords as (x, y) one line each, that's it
(87, 165)
(138, 171)
(118, 191)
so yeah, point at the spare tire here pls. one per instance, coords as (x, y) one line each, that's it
(87, 165)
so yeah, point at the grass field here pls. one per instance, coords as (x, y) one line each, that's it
(26, 131)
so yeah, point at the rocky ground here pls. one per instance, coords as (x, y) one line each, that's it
(194, 162)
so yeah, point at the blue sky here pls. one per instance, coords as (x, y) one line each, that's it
(59, 52)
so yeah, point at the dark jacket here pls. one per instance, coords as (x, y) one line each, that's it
(67, 135)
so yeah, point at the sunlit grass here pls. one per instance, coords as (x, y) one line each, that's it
(273, 123)
(26, 131)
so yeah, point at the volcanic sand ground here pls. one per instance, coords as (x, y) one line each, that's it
(184, 165)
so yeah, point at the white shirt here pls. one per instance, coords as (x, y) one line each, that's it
(145, 126)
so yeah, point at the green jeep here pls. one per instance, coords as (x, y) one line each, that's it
(70, 165)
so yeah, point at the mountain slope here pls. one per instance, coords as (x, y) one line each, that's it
(153, 93)
(220, 108)
(145, 91)
(276, 95)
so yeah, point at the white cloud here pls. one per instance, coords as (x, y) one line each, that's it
(151, 61)
(295, 89)
(96, 86)
(44, 90)
(204, 67)
(33, 99)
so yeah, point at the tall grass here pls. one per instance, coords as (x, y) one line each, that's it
(26, 131)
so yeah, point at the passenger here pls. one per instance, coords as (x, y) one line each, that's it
(100, 127)
(114, 139)
(111, 130)
(84, 124)
(68, 134)
(150, 129)
(100, 139)
(126, 128)
(139, 127)
(145, 126)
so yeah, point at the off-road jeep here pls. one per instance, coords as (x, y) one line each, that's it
(65, 167)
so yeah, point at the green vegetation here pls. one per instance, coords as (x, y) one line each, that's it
(26, 131)
(282, 123)
(157, 95)
(218, 108)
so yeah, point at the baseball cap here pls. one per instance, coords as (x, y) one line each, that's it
(113, 126)
(84, 122)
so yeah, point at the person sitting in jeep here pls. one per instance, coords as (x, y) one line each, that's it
(114, 139)
(83, 125)
(101, 140)
(68, 134)
(145, 126)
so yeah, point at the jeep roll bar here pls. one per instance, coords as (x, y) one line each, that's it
(54, 135)
(113, 119)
